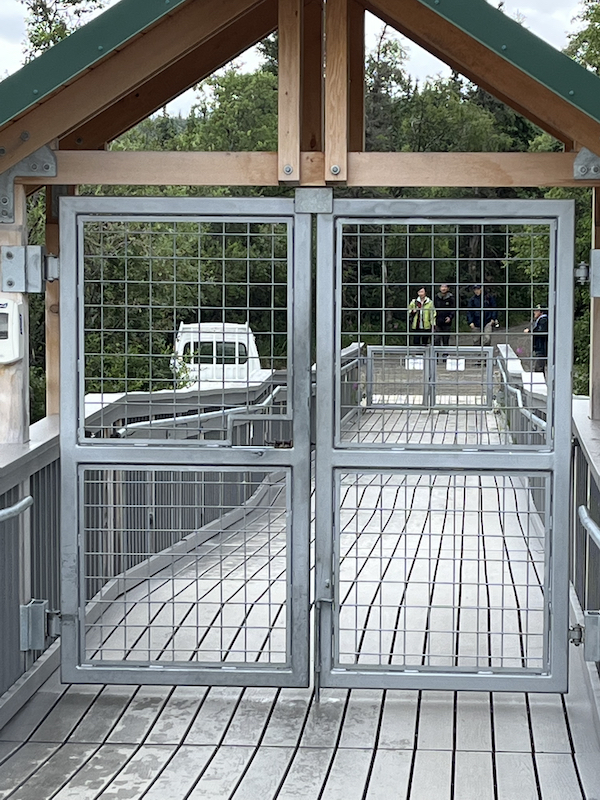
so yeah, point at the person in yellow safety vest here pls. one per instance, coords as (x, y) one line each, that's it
(421, 318)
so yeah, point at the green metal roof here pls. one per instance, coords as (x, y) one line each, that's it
(78, 52)
(532, 55)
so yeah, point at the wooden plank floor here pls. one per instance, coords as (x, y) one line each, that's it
(180, 743)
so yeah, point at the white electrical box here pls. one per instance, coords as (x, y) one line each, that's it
(11, 332)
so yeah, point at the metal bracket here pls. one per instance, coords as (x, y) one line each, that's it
(33, 625)
(25, 269)
(591, 642)
(53, 621)
(576, 635)
(313, 201)
(42, 163)
(586, 166)
(22, 268)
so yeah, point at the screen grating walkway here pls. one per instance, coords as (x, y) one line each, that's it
(434, 570)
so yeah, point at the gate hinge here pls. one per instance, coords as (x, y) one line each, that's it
(53, 621)
(26, 268)
(42, 163)
(586, 166)
(576, 635)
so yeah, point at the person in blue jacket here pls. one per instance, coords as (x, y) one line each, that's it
(539, 329)
(482, 316)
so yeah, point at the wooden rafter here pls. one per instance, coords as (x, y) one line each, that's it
(364, 169)
(489, 70)
(163, 87)
(118, 75)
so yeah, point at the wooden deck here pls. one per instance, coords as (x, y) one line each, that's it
(449, 574)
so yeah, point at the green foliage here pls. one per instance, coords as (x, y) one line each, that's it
(50, 21)
(584, 46)
(236, 111)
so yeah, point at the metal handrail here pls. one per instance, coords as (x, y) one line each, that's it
(588, 523)
(16, 509)
(533, 418)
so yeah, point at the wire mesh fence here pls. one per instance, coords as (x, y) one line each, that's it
(434, 305)
(440, 570)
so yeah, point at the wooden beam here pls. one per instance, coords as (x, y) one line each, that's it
(364, 169)
(461, 169)
(595, 317)
(356, 74)
(289, 90)
(490, 71)
(152, 95)
(336, 91)
(118, 75)
(52, 301)
(14, 378)
(312, 76)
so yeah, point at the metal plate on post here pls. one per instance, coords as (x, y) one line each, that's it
(591, 637)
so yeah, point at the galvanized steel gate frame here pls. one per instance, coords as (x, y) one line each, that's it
(331, 456)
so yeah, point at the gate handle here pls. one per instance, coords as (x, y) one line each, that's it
(18, 508)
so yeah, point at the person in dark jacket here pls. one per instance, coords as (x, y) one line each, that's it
(539, 329)
(445, 307)
(482, 316)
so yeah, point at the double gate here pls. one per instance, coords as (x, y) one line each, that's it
(440, 519)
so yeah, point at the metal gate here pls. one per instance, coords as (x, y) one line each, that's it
(443, 482)
(441, 467)
(185, 442)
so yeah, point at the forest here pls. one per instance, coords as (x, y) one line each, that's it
(237, 110)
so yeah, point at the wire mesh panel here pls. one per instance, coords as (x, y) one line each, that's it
(185, 566)
(441, 306)
(442, 482)
(184, 325)
(185, 441)
(440, 570)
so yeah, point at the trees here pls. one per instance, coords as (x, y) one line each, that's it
(50, 21)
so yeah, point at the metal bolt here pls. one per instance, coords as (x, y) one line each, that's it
(100, 47)
(288, 169)
(2, 151)
(33, 166)
(571, 92)
(4, 201)
(4, 212)
(504, 47)
(79, 140)
(24, 136)
(47, 167)
(595, 169)
(9, 254)
(35, 91)
(10, 282)
(335, 170)
(583, 170)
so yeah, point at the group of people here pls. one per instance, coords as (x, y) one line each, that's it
(435, 319)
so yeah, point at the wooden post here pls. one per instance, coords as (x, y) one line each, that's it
(290, 63)
(595, 317)
(336, 91)
(14, 378)
(52, 302)
(311, 139)
(356, 74)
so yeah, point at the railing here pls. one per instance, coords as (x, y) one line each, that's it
(585, 504)
(29, 540)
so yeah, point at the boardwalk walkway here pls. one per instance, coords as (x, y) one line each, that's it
(424, 562)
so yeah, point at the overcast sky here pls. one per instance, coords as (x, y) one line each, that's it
(552, 20)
